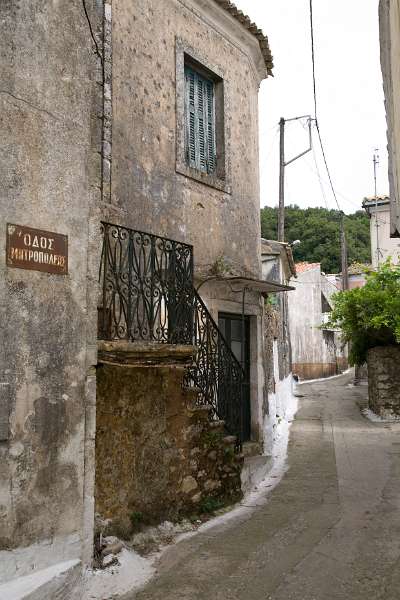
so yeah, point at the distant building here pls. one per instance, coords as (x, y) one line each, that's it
(316, 349)
(382, 245)
(277, 266)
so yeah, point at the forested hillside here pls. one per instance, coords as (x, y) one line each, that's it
(318, 231)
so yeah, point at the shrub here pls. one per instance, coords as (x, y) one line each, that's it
(369, 316)
(209, 505)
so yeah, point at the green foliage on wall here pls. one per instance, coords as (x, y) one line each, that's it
(369, 316)
(318, 231)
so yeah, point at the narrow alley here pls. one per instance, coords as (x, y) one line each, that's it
(329, 530)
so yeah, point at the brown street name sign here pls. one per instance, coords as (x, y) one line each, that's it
(35, 249)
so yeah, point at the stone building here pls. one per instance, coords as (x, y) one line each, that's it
(316, 349)
(389, 28)
(142, 116)
(50, 181)
(277, 265)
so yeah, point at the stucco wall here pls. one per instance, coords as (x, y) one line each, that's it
(387, 246)
(147, 191)
(49, 169)
(389, 25)
(315, 352)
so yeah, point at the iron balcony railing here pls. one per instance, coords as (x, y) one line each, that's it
(216, 372)
(148, 295)
(147, 284)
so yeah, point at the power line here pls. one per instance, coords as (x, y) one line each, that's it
(313, 58)
(338, 192)
(343, 245)
(315, 105)
(319, 178)
(326, 165)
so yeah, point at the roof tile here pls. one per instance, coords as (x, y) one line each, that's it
(254, 30)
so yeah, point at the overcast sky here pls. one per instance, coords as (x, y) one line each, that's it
(350, 99)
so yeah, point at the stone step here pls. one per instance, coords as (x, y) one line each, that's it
(229, 440)
(202, 408)
(252, 449)
(57, 581)
(254, 470)
(192, 393)
(217, 424)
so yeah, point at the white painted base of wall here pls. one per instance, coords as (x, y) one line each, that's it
(37, 557)
(255, 469)
(282, 408)
(57, 581)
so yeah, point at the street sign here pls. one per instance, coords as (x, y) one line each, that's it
(36, 249)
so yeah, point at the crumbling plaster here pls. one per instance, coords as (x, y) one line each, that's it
(146, 188)
(389, 31)
(50, 173)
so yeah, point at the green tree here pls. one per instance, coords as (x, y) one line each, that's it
(369, 316)
(318, 231)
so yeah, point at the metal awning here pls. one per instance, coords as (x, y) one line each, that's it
(261, 286)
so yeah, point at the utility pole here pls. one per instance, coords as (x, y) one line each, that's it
(343, 252)
(281, 209)
(282, 165)
(375, 161)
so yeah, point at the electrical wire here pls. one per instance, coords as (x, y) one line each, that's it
(338, 192)
(315, 105)
(313, 59)
(319, 177)
(273, 142)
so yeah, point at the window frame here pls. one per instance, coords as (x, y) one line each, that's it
(186, 57)
(200, 121)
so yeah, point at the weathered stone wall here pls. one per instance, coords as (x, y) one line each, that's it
(151, 188)
(315, 370)
(50, 174)
(148, 190)
(157, 455)
(316, 352)
(389, 33)
(383, 380)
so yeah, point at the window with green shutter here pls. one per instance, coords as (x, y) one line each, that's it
(200, 121)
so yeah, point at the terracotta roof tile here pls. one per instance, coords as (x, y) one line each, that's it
(254, 30)
(301, 267)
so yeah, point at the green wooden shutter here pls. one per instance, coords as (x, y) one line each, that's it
(190, 117)
(211, 159)
(201, 125)
(200, 122)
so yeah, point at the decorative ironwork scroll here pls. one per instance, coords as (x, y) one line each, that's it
(147, 286)
(148, 295)
(216, 372)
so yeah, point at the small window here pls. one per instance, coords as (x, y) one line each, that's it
(200, 143)
(325, 306)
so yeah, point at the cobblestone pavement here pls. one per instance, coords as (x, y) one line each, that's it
(330, 530)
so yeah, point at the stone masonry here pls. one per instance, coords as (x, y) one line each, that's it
(383, 384)
(158, 455)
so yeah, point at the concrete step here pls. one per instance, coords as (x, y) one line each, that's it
(254, 470)
(251, 449)
(229, 440)
(217, 425)
(57, 581)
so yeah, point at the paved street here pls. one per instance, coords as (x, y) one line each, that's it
(330, 529)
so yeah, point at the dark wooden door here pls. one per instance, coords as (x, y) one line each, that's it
(238, 339)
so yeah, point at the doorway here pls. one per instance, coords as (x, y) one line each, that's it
(236, 332)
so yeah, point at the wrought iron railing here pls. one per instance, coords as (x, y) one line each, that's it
(216, 372)
(148, 295)
(147, 284)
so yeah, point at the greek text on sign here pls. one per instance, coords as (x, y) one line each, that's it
(29, 248)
